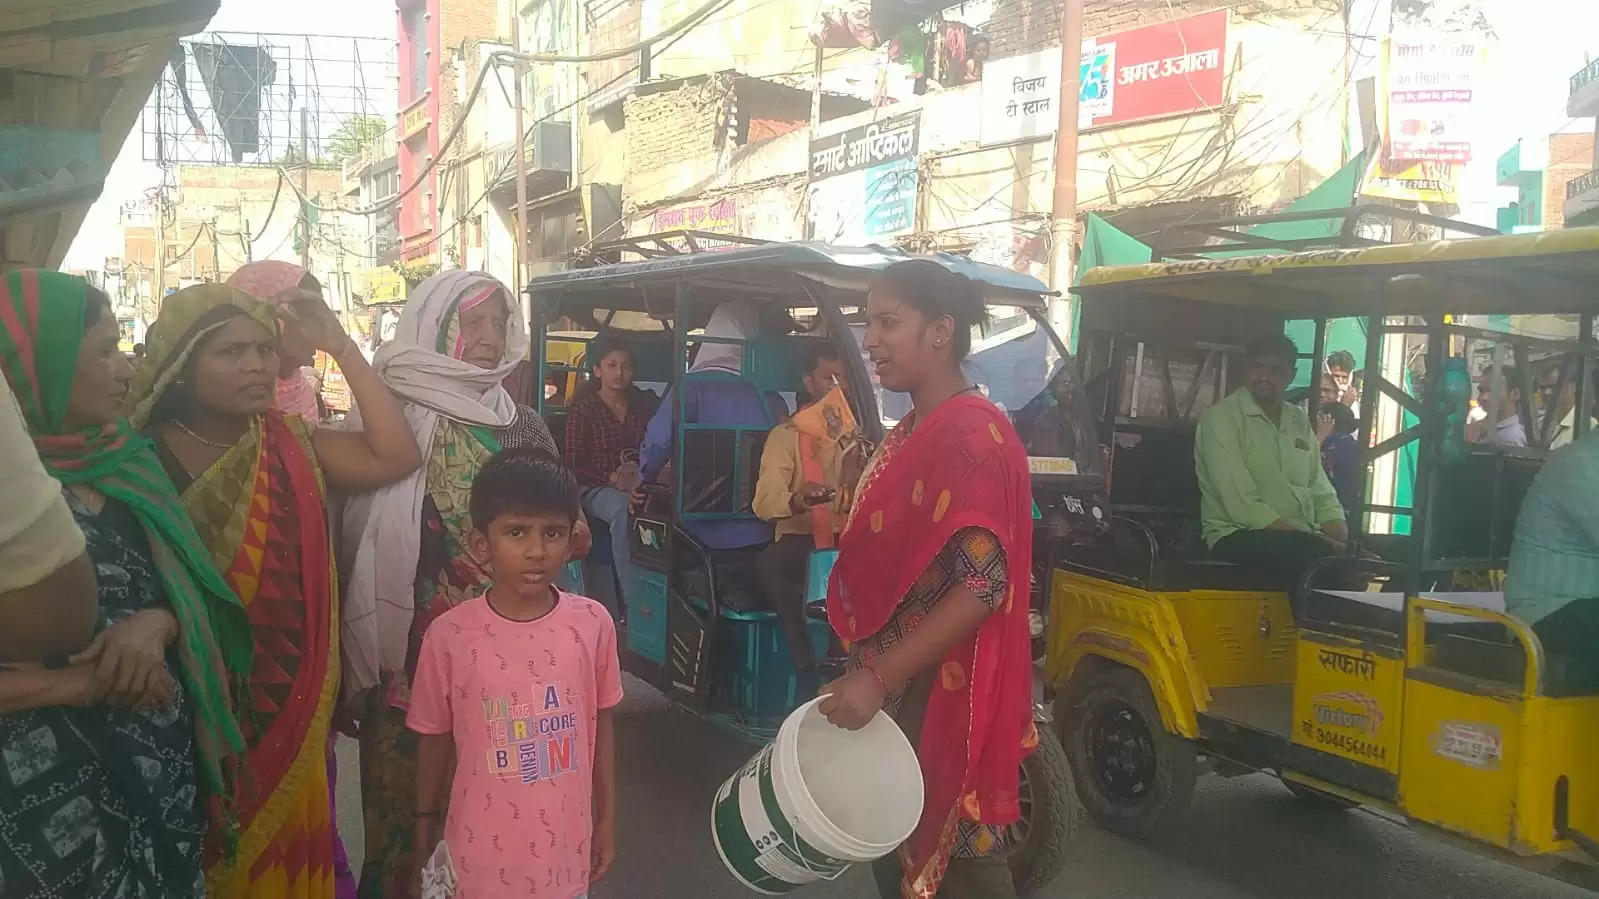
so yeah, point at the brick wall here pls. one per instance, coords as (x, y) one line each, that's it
(674, 125)
(463, 25)
(1022, 26)
(1570, 156)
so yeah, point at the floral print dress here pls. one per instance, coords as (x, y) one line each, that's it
(103, 802)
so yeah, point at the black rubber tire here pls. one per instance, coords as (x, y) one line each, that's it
(1318, 799)
(1164, 799)
(1052, 818)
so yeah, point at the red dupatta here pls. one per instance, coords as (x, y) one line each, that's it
(962, 467)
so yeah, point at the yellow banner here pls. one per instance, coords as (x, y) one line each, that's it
(1434, 183)
(384, 285)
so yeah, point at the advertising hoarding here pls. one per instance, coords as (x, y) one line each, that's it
(863, 182)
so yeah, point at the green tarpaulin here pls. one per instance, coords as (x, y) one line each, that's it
(1103, 244)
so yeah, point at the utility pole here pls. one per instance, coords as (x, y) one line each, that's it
(216, 253)
(305, 177)
(160, 245)
(816, 93)
(523, 254)
(579, 106)
(1063, 211)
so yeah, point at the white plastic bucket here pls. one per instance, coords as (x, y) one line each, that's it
(815, 801)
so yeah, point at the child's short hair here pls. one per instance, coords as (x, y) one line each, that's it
(525, 481)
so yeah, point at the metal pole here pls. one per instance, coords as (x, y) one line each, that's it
(1063, 210)
(160, 245)
(216, 253)
(523, 253)
(579, 109)
(305, 177)
(816, 94)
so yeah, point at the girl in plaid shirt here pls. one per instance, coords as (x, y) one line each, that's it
(604, 429)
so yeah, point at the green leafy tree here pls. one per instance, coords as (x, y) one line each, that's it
(355, 133)
(414, 273)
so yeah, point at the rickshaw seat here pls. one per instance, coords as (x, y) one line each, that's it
(738, 588)
(1131, 552)
(1484, 652)
(722, 463)
(1214, 574)
(1478, 501)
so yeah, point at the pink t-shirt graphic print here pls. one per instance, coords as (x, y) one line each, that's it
(520, 700)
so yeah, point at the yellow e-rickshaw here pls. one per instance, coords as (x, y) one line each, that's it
(1418, 697)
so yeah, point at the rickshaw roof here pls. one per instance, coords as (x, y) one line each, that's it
(751, 268)
(1550, 272)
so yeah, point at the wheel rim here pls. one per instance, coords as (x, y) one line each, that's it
(1121, 753)
(1016, 835)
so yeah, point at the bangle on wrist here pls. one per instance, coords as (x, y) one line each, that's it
(880, 682)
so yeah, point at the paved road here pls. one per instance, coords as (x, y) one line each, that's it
(1247, 837)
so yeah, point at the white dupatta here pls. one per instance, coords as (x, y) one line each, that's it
(383, 529)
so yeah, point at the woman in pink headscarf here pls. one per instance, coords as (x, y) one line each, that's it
(280, 283)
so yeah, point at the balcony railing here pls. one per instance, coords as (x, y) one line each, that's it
(1584, 97)
(1588, 75)
(1582, 184)
(1582, 199)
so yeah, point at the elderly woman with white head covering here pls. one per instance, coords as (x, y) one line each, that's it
(460, 336)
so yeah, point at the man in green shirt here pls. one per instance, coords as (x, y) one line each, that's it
(1553, 582)
(1265, 501)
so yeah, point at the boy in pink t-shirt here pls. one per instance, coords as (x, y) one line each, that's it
(516, 687)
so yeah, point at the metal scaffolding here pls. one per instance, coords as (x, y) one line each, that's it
(236, 98)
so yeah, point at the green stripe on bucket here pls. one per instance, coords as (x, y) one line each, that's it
(809, 856)
(757, 841)
(738, 851)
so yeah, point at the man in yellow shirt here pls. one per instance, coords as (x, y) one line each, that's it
(785, 496)
(1265, 501)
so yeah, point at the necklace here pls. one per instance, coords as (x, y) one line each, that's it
(186, 429)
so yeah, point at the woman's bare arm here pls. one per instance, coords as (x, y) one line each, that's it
(858, 696)
(55, 616)
(38, 688)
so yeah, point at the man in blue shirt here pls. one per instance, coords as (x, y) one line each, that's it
(1553, 582)
(728, 403)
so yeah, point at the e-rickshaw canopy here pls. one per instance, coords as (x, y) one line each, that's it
(758, 271)
(1548, 273)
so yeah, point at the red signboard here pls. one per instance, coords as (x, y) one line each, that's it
(1158, 70)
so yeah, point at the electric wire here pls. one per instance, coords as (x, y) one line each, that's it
(689, 21)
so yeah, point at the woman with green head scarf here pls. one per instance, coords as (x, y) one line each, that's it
(111, 773)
